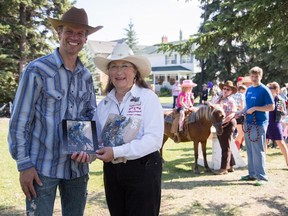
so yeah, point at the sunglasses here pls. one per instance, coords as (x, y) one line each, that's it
(227, 89)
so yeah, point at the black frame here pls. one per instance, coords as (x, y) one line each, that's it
(79, 137)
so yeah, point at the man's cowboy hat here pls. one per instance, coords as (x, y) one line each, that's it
(123, 52)
(229, 84)
(188, 83)
(74, 17)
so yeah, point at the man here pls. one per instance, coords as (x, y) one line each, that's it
(258, 102)
(53, 88)
(175, 92)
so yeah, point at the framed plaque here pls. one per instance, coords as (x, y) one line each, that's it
(79, 135)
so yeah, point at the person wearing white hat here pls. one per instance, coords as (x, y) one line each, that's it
(184, 101)
(53, 88)
(130, 127)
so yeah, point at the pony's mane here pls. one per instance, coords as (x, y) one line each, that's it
(204, 111)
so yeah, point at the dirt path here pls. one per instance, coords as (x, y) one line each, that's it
(226, 195)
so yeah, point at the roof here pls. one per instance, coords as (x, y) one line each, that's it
(101, 47)
(170, 68)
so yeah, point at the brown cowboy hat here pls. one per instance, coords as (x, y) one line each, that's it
(74, 17)
(229, 84)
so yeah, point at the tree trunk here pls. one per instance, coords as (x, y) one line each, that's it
(22, 40)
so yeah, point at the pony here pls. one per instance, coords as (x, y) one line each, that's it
(197, 130)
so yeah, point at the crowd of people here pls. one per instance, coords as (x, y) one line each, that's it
(59, 87)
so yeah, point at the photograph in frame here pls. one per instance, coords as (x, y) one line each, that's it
(79, 136)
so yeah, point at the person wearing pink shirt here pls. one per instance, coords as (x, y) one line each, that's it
(184, 102)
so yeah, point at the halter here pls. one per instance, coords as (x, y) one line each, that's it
(249, 128)
(211, 117)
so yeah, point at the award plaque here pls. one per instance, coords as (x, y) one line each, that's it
(79, 136)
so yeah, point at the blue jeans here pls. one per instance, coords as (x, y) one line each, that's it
(73, 195)
(255, 145)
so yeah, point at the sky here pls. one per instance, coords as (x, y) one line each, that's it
(152, 19)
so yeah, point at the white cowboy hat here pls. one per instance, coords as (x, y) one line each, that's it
(188, 83)
(123, 52)
(74, 17)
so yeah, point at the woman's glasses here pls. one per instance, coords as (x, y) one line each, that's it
(227, 89)
(114, 68)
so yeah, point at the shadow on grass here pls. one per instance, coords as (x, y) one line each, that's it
(10, 210)
(196, 208)
(182, 166)
(96, 173)
(274, 203)
(183, 185)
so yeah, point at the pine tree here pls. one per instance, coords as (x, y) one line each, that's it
(131, 37)
(25, 35)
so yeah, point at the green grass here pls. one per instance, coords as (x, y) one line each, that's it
(12, 201)
(182, 190)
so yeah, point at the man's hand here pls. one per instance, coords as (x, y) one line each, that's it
(26, 179)
(251, 110)
(105, 154)
(81, 157)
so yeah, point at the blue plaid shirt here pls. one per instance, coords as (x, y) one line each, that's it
(48, 93)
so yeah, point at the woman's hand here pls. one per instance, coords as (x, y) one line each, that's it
(105, 154)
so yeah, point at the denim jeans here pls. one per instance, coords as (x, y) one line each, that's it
(255, 144)
(73, 195)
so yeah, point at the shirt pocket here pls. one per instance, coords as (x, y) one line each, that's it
(53, 101)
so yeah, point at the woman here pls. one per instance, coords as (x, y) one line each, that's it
(184, 101)
(130, 126)
(275, 130)
(229, 125)
(239, 98)
(204, 94)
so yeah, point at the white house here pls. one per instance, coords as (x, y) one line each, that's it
(166, 67)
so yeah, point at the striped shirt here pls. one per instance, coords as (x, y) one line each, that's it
(48, 93)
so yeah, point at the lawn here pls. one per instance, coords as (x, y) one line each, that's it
(12, 198)
(183, 192)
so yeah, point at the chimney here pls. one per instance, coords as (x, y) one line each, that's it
(180, 35)
(164, 39)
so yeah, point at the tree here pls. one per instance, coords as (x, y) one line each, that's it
(243, 34)
(25, 35)
(131, 37)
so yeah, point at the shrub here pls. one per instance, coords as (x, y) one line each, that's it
(164, 92)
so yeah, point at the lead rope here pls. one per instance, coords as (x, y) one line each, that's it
(249, 128)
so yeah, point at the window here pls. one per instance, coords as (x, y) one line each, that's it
(186, 59)
(171, 59)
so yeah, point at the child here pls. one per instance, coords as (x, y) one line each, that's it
(184, 101)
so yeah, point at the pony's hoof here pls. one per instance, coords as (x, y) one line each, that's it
(196, 171)
(208, 170)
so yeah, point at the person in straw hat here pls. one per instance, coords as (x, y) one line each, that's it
(130, 127)
(184, 101)
(229, 124)
(53, 88)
